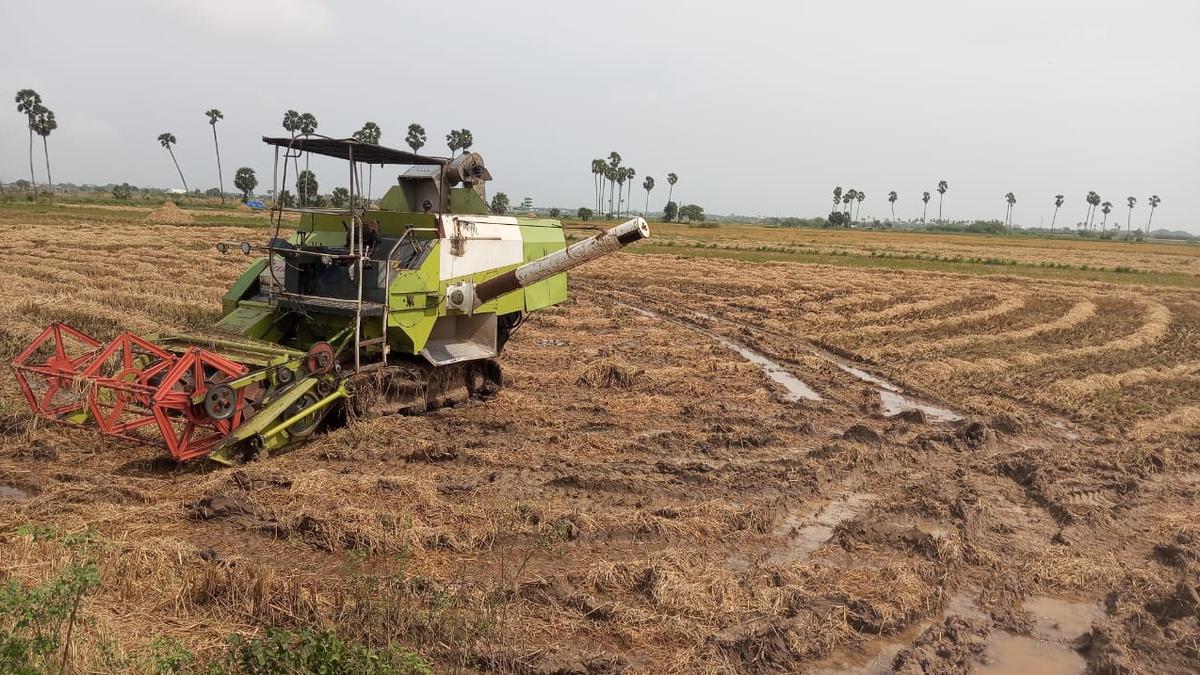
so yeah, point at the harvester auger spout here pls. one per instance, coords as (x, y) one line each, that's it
(399, 306)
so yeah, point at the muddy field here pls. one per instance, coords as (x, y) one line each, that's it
(696, 465)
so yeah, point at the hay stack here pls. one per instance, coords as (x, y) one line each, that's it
(170, 214)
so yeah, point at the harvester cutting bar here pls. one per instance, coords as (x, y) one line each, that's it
(131, 388)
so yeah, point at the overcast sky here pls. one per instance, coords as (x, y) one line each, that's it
(760, 107)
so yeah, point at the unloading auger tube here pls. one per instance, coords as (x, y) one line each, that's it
(562, 260)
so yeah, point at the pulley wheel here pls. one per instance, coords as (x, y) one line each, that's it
(284, 375)
(319, 359)
(220, 402)
(326, 385)
(306, 425)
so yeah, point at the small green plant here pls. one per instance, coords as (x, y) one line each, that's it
(36, 623)
(168, 655)
(285, 651)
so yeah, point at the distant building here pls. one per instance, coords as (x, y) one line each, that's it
(526, 206)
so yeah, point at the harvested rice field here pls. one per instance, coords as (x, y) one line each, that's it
(697, 464)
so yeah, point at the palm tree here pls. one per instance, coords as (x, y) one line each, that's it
(837, 197)
(925, 199)
(416, 137)
(167, 139)
(1011, 200)
(629, 175)
(860, 196)
(1105, 208)
(1093, 199)
(622, 175)
(1154, 201)
(1058, 202)
(892, 197)
(614, 161)
(291, 124)
(214, 116)
(647, 185)
(847, 199)
(610, 174)
(672, 179)
(465, 140)
(941, 188)
(597, 182)
(453, 141)
(308, 125)
(29, 104)
(43, 125)
(1132, 202)
(370, 133)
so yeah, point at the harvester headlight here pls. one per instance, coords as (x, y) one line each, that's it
(245, 248)
(222, 247)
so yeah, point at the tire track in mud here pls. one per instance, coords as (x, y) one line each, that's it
(893, 399)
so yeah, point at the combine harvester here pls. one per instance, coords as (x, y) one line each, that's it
(361, 312)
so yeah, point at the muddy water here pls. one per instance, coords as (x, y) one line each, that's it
(1010, 654)
(1047, 652)
(13, 493)
(795, 389)
(894, 400)
(807, 534)
(1061, 620)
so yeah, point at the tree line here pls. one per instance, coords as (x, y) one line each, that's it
(307, 193)
(847, 205)
(609, 178)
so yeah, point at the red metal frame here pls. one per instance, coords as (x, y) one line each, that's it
(186, 428)
(58, 371)
(130, 389)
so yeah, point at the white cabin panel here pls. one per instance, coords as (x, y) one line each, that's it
(479, 243)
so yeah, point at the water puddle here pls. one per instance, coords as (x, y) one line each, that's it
(806, 535)
(1057, 623)
(1056, 619)
(13, 493)
(1009, 654)
(795, 388)
(892, 397)
(875, 659)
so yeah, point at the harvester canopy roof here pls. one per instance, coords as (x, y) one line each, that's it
(346, 148)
